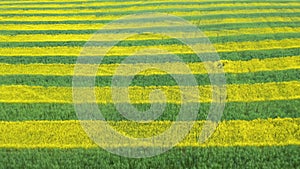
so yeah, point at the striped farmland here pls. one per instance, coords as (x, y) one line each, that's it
(258, 44)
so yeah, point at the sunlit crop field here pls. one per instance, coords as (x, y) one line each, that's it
(259, 46)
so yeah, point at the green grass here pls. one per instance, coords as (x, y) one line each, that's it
(233, 111)
(188, 58)
(212, 157)
(154, 80)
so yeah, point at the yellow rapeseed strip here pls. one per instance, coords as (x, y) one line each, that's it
(142, 8)
(139, 95)
(28, 5)
(145, 24)
(254, 65)
(116, 16)
(176, 49)
(108, 37)
(69, 134)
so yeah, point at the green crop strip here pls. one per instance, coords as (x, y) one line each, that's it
(188, 58)
(233, 111)
(212, 157)
(153, 80)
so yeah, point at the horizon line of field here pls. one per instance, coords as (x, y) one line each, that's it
(148, 69)
(81, 25)
(39, 134)
(232, 111)
(138, 95)
(51, 4)
(100, 51)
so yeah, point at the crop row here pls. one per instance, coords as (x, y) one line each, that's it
(267, 31)
(115, 5)
(138, 94)
(181, 157)
(153, 80)
(188, 58)
(232, 111)
(147, 69)
(96, 25)
(87, 29)
(175, 49)
(147, 42)
(137, 8)
(69, 134)
(208, 17)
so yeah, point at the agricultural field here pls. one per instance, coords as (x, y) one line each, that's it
(258, 43)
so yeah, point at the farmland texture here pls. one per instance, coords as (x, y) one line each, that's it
(259, 46)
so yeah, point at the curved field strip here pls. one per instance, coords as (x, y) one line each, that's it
(254, 65)
(232, 111)
(174, 10)
(232, 26)
(92, 4)
(154, 41)
(64, 10)
(117, 16)
(187, 58)
(97, 26)
(108, 37)
(139, 95)
(154, 80)
(85, 4)
(145, 20)
(69, 134)
(176, 49)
